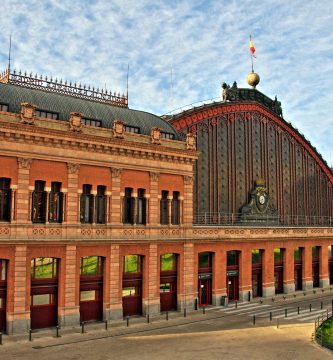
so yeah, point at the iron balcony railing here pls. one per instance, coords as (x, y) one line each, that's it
(239, 219)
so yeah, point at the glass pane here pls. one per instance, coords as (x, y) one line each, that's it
(167, 262)
(1, 303)
(256, 256)
(204, 260)
(297, 254)
(129, 291)
(43, 268)
(232, 258)
(87, 295)
(3, 269)
(131, 263)
(277, 255)
(42, 299)
(315, 252)
(165, 287)
(90, 265)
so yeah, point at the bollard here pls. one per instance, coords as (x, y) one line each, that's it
(285, 312)
(236, 304)
(0, 338)
(167, 316)
(82, 327)
(184, 312)
(321, 305)
(204, 309)
(270, 316)
(310, 307)
(57, 331)
(148, 319)
(127, 321)
(106, 324)
(298, 310)
(30, 335)
(277, 323)
(254, 319)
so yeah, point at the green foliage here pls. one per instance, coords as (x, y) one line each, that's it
(45, 268)
(167, 262)
(325, 333)
(277, 255)
(132, 263)
(256, 256)
(90, 266)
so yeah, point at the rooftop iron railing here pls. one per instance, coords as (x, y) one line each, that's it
(239, 219)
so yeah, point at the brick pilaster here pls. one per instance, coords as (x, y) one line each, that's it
(116, 200)
(151, 300)
(288, 270)
(116, 309)
(72, 195)
(154, 211)
(245, 274)
(188, 200)
(219, 276)
(188, 277)
(323, 266)
(307, 281)
(23, 201)
(268, 288)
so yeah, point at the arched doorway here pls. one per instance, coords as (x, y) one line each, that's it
(205, 275)
(168, 282)
(315, 266)
(257, 273)
(132, 285)
(3, 294)
(278, 270)
(233, 275)
(44, 292)
(298, 265)
(91, 288)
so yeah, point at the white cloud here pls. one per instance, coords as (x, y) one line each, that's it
(205, 42)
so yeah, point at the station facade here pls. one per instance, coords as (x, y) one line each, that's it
(108, 212)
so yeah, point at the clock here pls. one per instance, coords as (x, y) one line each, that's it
(262, 199)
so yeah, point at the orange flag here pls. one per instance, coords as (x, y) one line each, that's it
(252, 49)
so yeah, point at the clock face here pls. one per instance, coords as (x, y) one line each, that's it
(262, 199)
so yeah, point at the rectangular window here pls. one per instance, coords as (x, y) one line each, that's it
(3, 266)
(142, 207)
(4, 107)
(91, 122)
(168, 262)
(315, 252)
(91, 266)
(129, 291)
(47, 114)
(166, 135)
(87, 295)
(132, 264)
(232, 258)
(86, 205)
(164, 208)
(44, 268)
(165, 288)
(5, 199)
(297, 254)
(128, 207)
(256, 256)
(42, 299)
(101, 205)
(175, 209)
(39, 203)
(56, 203)
(132, 129)
(278, 255)
(204, 260)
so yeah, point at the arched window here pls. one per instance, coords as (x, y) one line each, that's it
(164, 209)
(56, 203)
(175, 209)
(86, 205)
(101, 205)
(44, 268)
(5, 197)
(39, 202)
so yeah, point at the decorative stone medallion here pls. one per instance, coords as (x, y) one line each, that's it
(190, 142)
(75, 121)
(28, 113)
(155, 135)
(118, 129)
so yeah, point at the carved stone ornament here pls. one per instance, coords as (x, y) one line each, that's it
(190, 142)
(118, 129)
(73, 168)
(154, 176)
(24, 163)
(116, 173)
(75, 121)
(155, 135)
(188, 180)
(259, 209)
(28, 113)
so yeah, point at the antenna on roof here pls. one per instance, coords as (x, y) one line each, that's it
(9, 52)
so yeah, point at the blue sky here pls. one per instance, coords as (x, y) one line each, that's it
(203, 42)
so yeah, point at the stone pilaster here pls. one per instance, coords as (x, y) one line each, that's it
(154, 211)
(18, 321)
(23, 201)
(245, 275)
(116, 200)
(72, 197)
(268, 288)
(116, 307)
(188, 200)
(151, 302)
(323, 267)
(307, 281)
(219, 276)
(69, 315)
(288, 270)
(188, 297)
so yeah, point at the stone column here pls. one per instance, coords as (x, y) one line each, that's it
(115, 203)
(23, 201)
(116, 306)
(188, 279)
(70, 314)
(72, 199)
(323, 267)
(268, 287)
(13, 205)
(154, 210)
(219, 276)
(307, 281)
(288, 270)
(188, 200)
(151, 301)
(169, 208)
(245, 274)
(18, 319)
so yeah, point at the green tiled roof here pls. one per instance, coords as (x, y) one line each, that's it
(14, 95)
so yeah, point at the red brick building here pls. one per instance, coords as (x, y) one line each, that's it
(96, 208)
